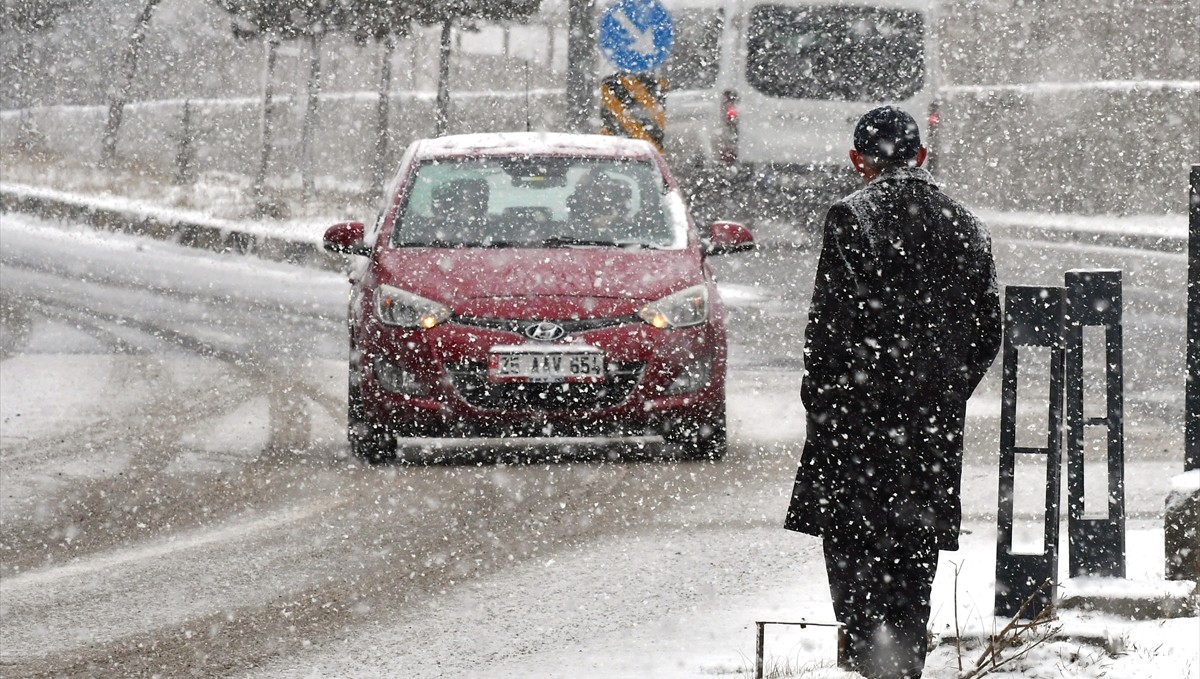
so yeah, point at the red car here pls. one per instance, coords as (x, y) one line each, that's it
(538, 285)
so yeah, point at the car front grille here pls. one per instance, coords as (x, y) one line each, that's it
(471, 382)
(569, 326)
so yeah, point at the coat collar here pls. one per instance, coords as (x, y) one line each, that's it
(919, 174)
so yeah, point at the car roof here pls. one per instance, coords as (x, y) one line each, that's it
(533, 144)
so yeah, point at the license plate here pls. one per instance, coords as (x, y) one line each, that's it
(552, 364)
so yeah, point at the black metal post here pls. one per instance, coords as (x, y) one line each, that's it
(1097, 545)
(1191, 458)
(271, 47)
(312, 115)
(185, 156)
(1033, 318)
(760, 640)
(758, 649)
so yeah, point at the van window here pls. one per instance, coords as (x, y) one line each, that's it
(836, 52)
(695, 56)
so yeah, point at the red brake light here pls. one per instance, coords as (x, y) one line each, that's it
(728, 149)
(729, 103)
(935, 120)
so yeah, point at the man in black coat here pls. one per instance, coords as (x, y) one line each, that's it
(905, 321)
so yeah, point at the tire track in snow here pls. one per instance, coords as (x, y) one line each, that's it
(14, 324)
(404, 536)
(273, 372)
(91, 516)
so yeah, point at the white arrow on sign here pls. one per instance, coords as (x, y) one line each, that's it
(643, 41)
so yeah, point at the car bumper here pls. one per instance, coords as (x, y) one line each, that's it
(655, 379)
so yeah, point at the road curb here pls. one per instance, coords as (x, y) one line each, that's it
(172, 229)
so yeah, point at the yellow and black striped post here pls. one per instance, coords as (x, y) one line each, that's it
(632, 105)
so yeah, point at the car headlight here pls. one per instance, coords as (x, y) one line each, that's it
(678, 310)
(401, 308)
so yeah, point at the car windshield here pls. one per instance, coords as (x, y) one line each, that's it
(540, 201)
(836, 52)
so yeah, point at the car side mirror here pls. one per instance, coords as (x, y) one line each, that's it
(728, 237)
(347, 238)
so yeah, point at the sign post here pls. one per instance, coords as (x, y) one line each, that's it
(636, 37)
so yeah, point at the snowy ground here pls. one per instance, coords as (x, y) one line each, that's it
(675, 598)
(573, 621)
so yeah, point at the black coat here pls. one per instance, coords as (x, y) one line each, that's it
(904, 323)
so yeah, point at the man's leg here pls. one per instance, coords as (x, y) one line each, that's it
(908, 608)
(852, 572)
(899, 648)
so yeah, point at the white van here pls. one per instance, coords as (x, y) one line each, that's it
(763, 95)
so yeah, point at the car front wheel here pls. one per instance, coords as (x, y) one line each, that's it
(701, 438)
(369, 441)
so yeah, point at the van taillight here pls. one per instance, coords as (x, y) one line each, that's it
(729, 138)
(935, 121)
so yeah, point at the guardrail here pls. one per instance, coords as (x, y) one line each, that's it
(213, 236)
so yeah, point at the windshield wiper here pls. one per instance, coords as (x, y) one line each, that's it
(422, 244)
(561, 241)
(461, 244)
(555, 242)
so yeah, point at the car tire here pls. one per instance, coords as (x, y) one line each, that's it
(369, 441)
(701, 439)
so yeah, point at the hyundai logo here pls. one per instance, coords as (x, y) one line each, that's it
(544, 331)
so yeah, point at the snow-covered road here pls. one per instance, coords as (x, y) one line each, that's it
(176, 493)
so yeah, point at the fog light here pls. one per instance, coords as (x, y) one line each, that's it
(397, 380)
(692, 378)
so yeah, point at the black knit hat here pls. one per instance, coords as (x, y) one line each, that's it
(888, 134)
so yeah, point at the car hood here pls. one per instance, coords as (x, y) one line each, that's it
(471, 279)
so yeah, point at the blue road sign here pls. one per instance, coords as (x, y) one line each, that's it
(636, 35)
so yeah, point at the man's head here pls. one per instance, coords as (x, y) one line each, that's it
(884, 138)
